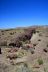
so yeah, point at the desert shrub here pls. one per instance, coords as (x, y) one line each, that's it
(37, 31)
(23, 68)
(47, 45)
(32, 52)
(2, 33)
(8, 29)
(34, 44)
(11, 33)
(45, 49)
(15, 32)
(25, 64)
(45, 69)
(40, 34)
(4, 67)
(39, 39)
(20, 32)
(40, 61)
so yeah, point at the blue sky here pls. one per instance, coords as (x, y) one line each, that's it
(17, 13)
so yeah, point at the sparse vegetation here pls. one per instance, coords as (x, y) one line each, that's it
(19, 52)
(2, 33)
(34, 44)
(4, 67)
(47, 45)
(45, 70)
(37, 31)
(40, 34)
(39, 39)
(23, 68)
(2, 30)
(40, 61)
(45, 50)
(12, 33)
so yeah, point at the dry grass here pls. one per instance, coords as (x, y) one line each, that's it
(22, 59)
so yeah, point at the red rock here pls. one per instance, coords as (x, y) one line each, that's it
(13, 50)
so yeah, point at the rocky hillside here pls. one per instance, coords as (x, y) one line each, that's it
(24, 49)
(13, 37)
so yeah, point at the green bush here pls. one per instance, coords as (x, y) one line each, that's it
(40, 61)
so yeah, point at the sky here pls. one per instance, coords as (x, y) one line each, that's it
(22, 13)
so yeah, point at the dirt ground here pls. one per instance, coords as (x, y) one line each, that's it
(23, 60)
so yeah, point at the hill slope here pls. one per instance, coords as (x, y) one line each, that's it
(24, 49)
